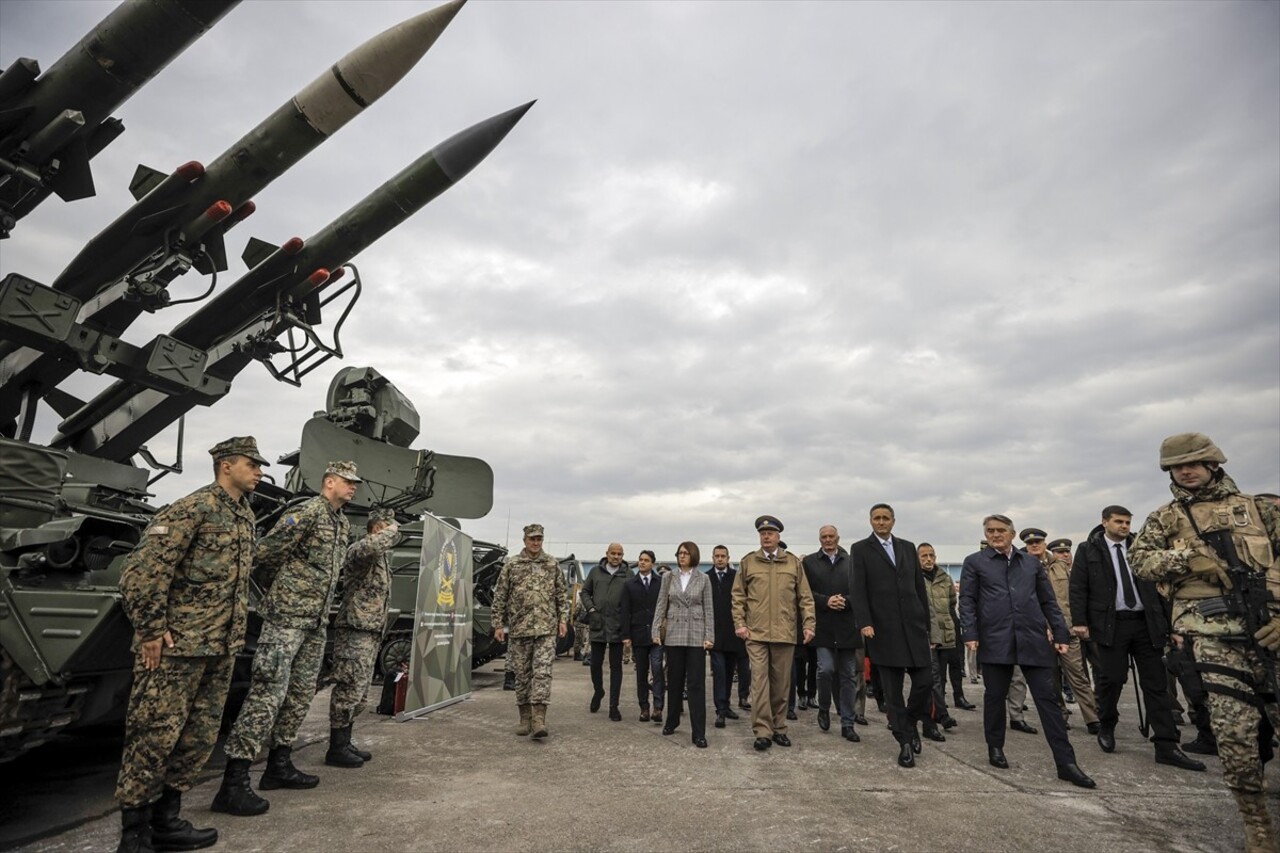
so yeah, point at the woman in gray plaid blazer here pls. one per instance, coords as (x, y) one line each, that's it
(685, 613)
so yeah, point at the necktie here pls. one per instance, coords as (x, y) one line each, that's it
(646, 581)
(888, 550)
(720, 577)
(1130, 600)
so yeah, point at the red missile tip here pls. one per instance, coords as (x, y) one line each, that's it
(190, 171)
(337, 274)
(218, 211)
(293, 246)
(244, 211)
(319, 277)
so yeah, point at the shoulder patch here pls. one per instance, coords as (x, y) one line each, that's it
(158, 530)
(291, 519)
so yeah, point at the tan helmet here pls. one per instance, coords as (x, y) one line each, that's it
(1188, 447)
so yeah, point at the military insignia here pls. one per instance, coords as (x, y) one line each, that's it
(448, 572)
(291, 519)
(158, 530)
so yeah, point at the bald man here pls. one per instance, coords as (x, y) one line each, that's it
(601, 598)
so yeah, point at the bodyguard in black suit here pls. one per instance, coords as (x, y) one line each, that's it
(729, 654)
(639, 597)
(891, 608)
(1121, 616)
(1007, 610)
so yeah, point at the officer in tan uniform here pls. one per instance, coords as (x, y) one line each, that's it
(769, 592)
(1071, 665)
(1187, 546)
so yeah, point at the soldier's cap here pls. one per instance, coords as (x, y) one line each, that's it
(345, 470)
(768, 522)
(240, 445)
(382, 515)
(1033, 534)
(531, 530)
(1060, 545)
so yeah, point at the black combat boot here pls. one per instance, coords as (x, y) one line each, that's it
(281, 773)
(509, 681)
(365, 755)
(135, 830)
(340, 753)
(235, 796)
(170, 832)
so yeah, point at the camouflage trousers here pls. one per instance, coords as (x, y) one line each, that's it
(581, 638)
(172, 725)
(285, 667)
(531, 659)
(1235, 723)
(354, 654)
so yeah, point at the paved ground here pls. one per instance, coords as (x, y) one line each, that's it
(461, 780)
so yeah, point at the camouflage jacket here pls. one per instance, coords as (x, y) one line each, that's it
(531, 597)
(1168, 550)
(300, 560)
(190, 574)
(366, 582)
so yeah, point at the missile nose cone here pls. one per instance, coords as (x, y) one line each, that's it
(367, 73)
(460, 153)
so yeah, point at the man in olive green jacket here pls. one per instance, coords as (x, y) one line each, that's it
(770, 597)
(944, 649)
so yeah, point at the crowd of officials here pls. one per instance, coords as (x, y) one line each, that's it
(1195, 593)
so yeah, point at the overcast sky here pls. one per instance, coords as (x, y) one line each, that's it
(793, 258)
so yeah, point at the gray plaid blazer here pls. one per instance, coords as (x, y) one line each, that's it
(690, 614)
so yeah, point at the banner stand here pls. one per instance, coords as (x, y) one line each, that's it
(440, 661)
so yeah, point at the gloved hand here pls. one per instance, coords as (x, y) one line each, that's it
(1268, 635)
(1201, 564)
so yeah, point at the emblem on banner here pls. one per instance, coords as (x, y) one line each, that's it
(448, 573)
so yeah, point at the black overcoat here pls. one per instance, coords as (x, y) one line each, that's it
(1093, 594)
(722, 605)
(836, 629)
(893, 600)
(637, 608)
(1007, 606)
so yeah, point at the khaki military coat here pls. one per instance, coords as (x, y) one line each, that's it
(772, 597)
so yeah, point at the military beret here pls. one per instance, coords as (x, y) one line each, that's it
(240, 445)
(382, 515)
(533, 530)
(345, 470)
(1032, 534)
(768, 522)
(1060, 545)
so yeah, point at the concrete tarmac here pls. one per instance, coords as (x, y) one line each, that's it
(460, 779)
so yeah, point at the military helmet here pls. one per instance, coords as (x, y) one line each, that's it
(1188, 447)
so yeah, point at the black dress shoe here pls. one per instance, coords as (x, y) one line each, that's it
(915, 744)
(1024, 727)
(1094, 727)
(615, 715)
(860, 720)
(700, 742)
(791, 715)
(746, 706)
(802, 703)
(1107, 740)
(719, 721)
(1076, 776)
(762, 743)
(668, 730)
(729, 712)
(964, 704)
(595, 701)
(1202, 745)
(950, 723)
(644, 715)
(849, 734)
(995, 757)
(906, 757)
(1168, 753)
(824, 720)
(933, 734)
(781, 739)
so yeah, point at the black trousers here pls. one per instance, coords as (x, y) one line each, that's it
(805, 672)
(953, 663)
(937, 670)
(996, 678)
(1132, 639)
(723, 666)
(615, 670)
(903, 715)
(687, 667)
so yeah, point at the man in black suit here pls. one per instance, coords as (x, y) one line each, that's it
(639, 597)
(1121, 616)
(838, 642)
(891, 606)
(729, 654)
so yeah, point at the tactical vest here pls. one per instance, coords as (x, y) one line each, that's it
(1237, 514)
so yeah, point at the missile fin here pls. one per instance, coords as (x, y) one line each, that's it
(257, 251)
(157, 221)
(62, 402)
(145, 179)
(74, 180)
(215, 254)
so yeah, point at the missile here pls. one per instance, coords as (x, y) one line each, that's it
(51, 127)
(267, 300)
(179, 220)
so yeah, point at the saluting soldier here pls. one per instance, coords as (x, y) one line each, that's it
(299, 560)
(185, 589)
(531, 606)
(362, 617)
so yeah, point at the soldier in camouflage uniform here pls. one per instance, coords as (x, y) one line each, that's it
(185, 589)
(531, 605)
(299, 560)
(362, 617)
(1181, 546)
